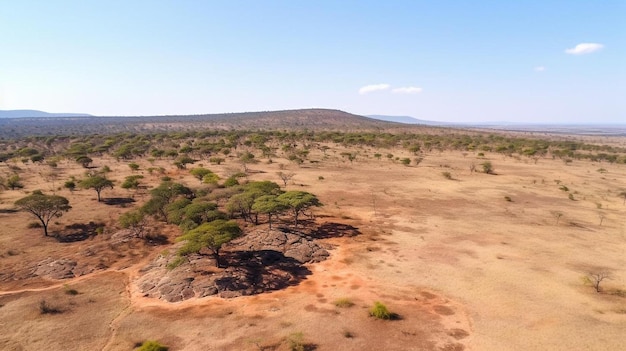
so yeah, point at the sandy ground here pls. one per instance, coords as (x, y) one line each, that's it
(462, 266)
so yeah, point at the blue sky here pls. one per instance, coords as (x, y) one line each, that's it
(525, 61)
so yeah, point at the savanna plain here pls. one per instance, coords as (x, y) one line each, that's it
(471, 240)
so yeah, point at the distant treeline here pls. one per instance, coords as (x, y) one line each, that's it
(294, 145)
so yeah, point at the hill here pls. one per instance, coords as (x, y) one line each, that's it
(315, 119)
(36, 113)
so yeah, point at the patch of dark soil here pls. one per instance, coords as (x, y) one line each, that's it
(78, 232)
(332, 230)
(114, 201)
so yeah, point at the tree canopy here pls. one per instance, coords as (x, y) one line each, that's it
(96, 182)
(211, 235)
(298, 202)
(44, 207)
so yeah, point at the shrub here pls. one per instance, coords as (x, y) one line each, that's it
(150, 345)
(508, 198)
(296, 342)
(447, 175)
(487, 167)
(564, 188)
(33, 225)
(45, 308)
(380, 311)
(69, 290)
(344, 302)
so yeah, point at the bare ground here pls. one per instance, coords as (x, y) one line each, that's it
(463, 267)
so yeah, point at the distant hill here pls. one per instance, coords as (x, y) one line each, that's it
(311, 119)
(408, 120)
(36, 113)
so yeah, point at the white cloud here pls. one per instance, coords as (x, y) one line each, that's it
(584, 48)
(407, 90)
(540, 68)
(373, 87)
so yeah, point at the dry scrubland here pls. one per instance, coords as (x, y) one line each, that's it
(469, 261)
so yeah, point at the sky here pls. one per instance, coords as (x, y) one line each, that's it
(454, 61)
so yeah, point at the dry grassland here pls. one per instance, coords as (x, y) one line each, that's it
(464, 267)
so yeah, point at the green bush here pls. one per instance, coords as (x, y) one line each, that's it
(344, 302)
(296, 342)
(150, 345)
(380, 311)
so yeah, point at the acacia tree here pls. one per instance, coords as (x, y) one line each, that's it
(44, 207)
(96, 182)
(163, 195)
(268, 204)
(211, 235)
(200, 172)
(597, 278)
(298, 202)
(84, 161)
(135, 221)
(285, 177)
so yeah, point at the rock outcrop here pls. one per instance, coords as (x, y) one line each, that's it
(263, 260)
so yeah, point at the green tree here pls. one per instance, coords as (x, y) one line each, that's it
(96, 182)
(487, 167)
(135, 221)
(14, 182)
(246, 158)
(163, 195)
(243, 202)
(131, 182)
(269, 205)
(211, 235)
(200, 172)
(84, 161)
(44, 207)
(298, 202)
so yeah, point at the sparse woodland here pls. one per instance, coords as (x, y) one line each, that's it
(193, 209)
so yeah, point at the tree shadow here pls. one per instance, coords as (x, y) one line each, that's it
(78, 232)
(113, 201)
(156, 239)
(8, 210)
(333, 230)
(255, 272)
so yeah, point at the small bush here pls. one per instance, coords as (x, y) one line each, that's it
(487, 167)
(33, 225)
(447, 175)
(45, 308)
(344, 302)
(508, 198)
(69, 290)
(150, 345)
(380, 311)
(564, 188)
(296, 342)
